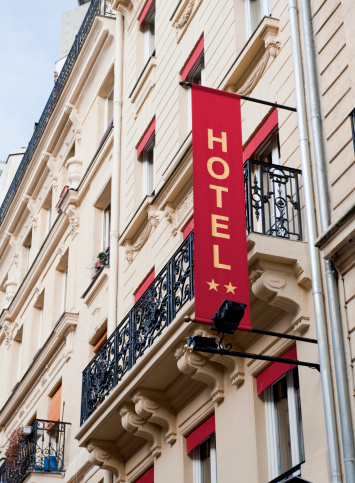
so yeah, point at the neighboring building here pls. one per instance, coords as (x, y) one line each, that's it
(8, 170)
(97, 258)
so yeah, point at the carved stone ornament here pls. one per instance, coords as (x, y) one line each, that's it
(185, 16)
(73, 165)
(185, 206)
(272, 48)
(103, 454)
(154, 217)
(136, 424)
(199, 367)
(157, 413)
(272, 287)
(74, 220)
(7, 330)
(10, 288)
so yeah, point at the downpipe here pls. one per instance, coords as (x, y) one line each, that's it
(325, 219)
(116, 174)
(317, 292)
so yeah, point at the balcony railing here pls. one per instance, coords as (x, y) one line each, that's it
(96, 7)
(154, 311)
(272, 208)
(272, 200)
(41, 450)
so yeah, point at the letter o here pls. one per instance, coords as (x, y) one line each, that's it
(225, 173)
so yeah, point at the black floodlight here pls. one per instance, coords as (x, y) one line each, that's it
(198, 342)
(296, 479)
(228, 316)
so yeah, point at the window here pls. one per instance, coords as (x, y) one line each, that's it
(27, 245)
(144, 286)
(255, 11)
(55, 403)
(283, 416)
(38, 311)
(146, 155)
(109, 109)
(146, 21)
(201, 444)
(193, 71)
(106, 227)
(63, 304)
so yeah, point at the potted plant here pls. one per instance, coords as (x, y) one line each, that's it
(100, 258)
(14, 447)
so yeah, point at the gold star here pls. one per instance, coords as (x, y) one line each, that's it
(230, 288)
(213, 285)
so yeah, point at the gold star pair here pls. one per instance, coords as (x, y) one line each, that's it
(213, 286)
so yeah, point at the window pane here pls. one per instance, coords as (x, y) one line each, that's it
(280, 398)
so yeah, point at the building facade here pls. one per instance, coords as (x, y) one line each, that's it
(97, 254)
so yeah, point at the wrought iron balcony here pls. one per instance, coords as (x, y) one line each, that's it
(154, 311)
(272, 208)
(96, 7)
(41, 450)
(272, 200)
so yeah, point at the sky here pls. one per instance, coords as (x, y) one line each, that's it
(29, 48)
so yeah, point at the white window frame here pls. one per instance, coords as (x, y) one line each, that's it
(197, 462)
(272, 431)
(264, 11)
(49, 220)
(106, 227)
(149, 34)
(108, 117)
(63, 304)
(198, 70)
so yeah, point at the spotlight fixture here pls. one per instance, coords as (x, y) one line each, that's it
(296, 479)
(228, 316)
(197, 342)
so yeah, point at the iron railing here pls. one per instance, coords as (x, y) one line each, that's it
(94, 9)
(154, 311)
(41, 450)
(272, 200)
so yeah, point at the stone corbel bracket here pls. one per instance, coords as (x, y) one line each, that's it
(235, 366)
(154, 218)
(74, 220)
(199, 367)
(139, 426)
(277, 289)
(272, 46)
(104, 454)
(159, 413)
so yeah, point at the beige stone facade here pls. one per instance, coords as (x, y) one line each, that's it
(135, 402)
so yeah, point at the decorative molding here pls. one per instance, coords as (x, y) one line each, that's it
(154, 218)
(136, 424)
(73, 166)
(184, 18)
(272, 287)
(104, 455)
(199, 367)
(157, 413)
(185, 206)
(74, 220)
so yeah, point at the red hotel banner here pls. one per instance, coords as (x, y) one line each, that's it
(221, 263)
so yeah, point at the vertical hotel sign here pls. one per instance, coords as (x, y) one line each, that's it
(221, 263)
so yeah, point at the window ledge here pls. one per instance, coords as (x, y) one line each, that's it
(250, 64)
(145, 83)
(96, 285)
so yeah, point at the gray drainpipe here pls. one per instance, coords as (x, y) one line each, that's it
(325, 372)
(325, 220)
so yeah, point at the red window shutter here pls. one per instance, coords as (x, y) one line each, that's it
(262, 133)
(143, 287)
(148, 476)
(193, 57)
(54, 408)
(145, 10)
(275, 371)
(148, 133)
(200, 434)
(188, 228)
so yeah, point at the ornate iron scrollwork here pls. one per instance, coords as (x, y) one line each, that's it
(153, 312)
